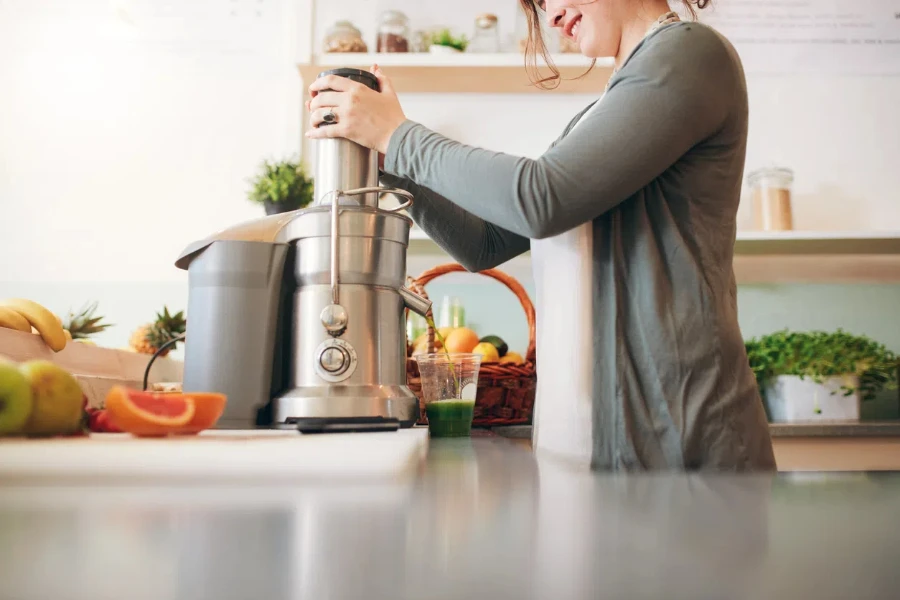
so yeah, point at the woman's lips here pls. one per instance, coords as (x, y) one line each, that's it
(572, 27)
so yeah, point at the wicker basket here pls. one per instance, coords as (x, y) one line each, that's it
(505, 391)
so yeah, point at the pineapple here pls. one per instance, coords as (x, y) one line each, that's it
(147, 339)
(83, 324)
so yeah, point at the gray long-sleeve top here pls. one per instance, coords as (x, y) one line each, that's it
(656, 168)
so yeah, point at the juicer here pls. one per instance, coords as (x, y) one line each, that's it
(300, 316)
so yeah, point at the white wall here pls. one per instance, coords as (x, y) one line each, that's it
(126, 132)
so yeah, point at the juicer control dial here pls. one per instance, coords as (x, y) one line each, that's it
(335, 360)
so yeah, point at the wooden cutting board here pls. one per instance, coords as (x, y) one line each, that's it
(280, 455)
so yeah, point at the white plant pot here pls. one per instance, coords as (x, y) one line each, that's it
(437, 49)
(790, 399)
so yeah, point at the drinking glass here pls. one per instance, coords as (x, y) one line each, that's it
(449, 386)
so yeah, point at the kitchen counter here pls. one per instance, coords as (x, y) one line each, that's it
(479, 518)
(863, 446)
(825, 429)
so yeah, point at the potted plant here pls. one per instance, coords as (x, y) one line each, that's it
(281, 186)
(819, 376)
(443, 42)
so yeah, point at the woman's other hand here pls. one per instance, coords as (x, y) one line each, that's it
(361, 114)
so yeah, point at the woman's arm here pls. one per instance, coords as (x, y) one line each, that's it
(672, 94)
(473, 242)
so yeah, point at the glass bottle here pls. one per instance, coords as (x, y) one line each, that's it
(393, 32)
(487, 37)
(452, 313)
(344, 37)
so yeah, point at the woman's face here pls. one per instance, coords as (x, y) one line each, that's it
(594, 25)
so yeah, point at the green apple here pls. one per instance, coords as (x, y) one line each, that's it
(15, 398)
(58, 399)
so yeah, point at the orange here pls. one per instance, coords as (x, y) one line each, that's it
(461, 340)
(208, 407)
(148, 413)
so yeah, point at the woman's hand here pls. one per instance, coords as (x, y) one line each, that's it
(361, 114)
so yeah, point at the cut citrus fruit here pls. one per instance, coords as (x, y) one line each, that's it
(148, 413)
(208, 407)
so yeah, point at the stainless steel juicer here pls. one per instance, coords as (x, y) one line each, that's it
(301, 315)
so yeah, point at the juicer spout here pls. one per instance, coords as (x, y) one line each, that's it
(415, 302)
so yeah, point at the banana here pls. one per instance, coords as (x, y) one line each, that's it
(68, 335)
(10, 319)
(41, 319)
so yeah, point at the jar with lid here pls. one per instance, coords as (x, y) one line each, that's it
(344, 37)
(770, 190)
(393, 32)
(487, 37)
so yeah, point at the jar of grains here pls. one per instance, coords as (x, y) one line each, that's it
(344, 37)
(770, 190)
(393, 32)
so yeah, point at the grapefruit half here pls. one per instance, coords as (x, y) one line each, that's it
(208, 407)
(148, 413)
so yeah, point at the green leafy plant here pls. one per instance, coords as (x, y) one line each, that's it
(284, 183)
(444, 37)
(818, 355)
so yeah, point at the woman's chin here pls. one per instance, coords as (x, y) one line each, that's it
(592, 50)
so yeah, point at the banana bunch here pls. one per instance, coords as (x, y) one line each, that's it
(23, 315)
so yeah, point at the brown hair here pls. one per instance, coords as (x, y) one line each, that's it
(536, 45)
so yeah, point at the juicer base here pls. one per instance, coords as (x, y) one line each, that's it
(389, 401)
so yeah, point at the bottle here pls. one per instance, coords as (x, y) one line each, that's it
(451, 313)
(487, 37)
(393, 32)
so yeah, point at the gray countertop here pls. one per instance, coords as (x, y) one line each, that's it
(479, 518)
(823, 429)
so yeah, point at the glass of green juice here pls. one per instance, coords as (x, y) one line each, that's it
(449, 385)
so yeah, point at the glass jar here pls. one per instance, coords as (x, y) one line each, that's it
(770, 190)
(393, 32)
(421, 42)
(344, 37)
(486, 39)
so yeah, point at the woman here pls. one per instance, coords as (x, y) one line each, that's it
(630, 217)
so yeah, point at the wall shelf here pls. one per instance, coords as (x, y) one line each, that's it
(466, 72)
(790, 257)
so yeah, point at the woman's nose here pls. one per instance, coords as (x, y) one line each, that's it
(557, 17)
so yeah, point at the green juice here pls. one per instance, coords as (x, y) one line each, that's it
(450, 418)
